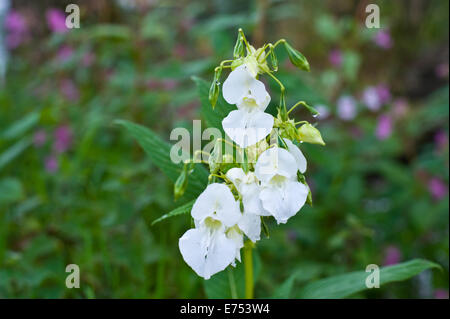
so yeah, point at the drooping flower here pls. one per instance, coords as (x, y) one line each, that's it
(248, 124)
(211, 246)
(346, 107)
(248, 187)
(281, 195)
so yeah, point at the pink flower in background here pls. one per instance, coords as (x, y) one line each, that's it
(371, 98)
(64, 53)
(437, 188)
(88, 59)
(16, 29)
(441, 140)
(63, 139)
(323, 110)
(383, 39)
(384, 94)
(69, 90)
(441, 294)
(56, 20)
(51, 164)
(384, 127)
(400, 107)
(392, 256)
(39, 138)
(442, 70)
(346, 107)
(335, 57)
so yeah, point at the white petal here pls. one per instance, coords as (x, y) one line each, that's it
(298, 155)
(236, 175)
(285, 201)
(235, 234)
(275, 161)
(258, 90)
(205, 253)
(218, 202)
(237, 84)
(250, 224)
(247, 129)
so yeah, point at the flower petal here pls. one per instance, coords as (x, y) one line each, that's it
(246, 129)
(218, 202)
(275, 161)
(206, 253)
(298, 155)
(250, 224)
(237, 84)
(284, 201)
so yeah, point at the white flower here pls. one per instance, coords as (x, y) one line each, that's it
(282, 195)
(208, 248)
(248, 124)
(249, 188)
(297, 154)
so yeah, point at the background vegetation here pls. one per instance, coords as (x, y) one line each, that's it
(75, 188)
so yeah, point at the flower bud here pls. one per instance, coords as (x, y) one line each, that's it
(309, 134)
(296, 57)
(238, 48)
(181, 184)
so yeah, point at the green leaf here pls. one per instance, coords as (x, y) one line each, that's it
(11, 190)
(184, 209)
(213, 117)
(21, 126)
(14, 151)
(218, 286)
(159, 152)
(348, 284)
(284, 291)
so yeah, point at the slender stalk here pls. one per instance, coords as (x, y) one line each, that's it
(248, 264)
(232, 283)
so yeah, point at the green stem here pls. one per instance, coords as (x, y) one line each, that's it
(248, 263)
(232, 283)
(282, 100)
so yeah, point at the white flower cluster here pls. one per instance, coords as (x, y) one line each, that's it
(227, 211)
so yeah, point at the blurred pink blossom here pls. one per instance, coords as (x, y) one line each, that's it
(88, 59)
(437, 188)
(371, 98)
(63, 138)
(384, 94)
(39, 138)
(323, 110)
(441, 140)
(442, 70)
(51, 164)
(69, 90)
(384, 127)
(383, 39)
(56, 20)
(392, 256)
(335, 57)
(400, 107)
(64, 53)
(441, 294)
(346, 107)
(16, 29)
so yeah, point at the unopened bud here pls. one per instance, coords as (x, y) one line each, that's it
(309, 134)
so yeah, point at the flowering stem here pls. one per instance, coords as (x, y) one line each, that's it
(232, 283)
(245, 40)
(282, 100)
(248, 263)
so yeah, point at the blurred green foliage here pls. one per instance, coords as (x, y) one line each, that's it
(93, 203)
